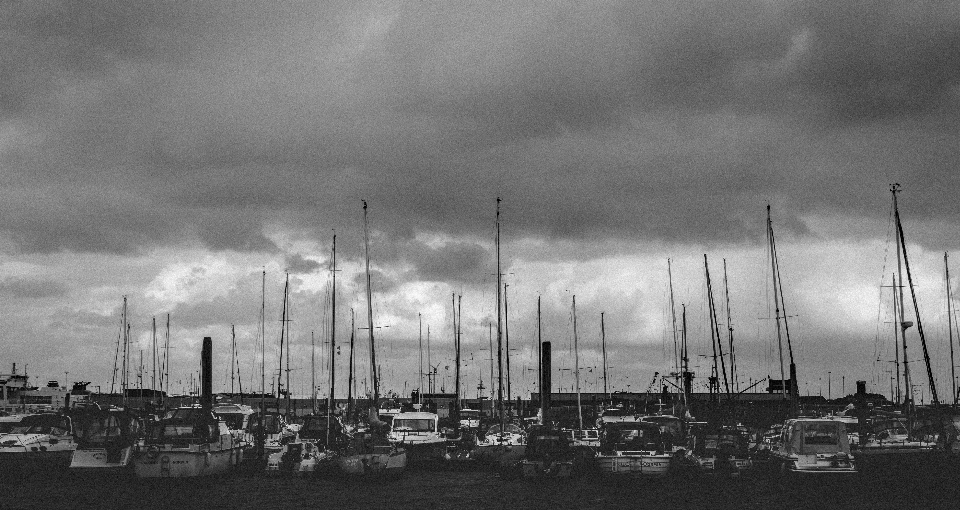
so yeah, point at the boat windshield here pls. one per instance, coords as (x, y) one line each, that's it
(234, 421)
(271, 424)
(821, 433)
(94, 428)
(413, 425)
(633, 436)
(469, 413)
(508, 428)
(42, 424)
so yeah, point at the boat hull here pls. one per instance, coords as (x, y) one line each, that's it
(643, 466)
(174, 463)
(387, 463)
(102, 461)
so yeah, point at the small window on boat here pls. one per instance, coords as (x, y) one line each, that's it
(820, 433)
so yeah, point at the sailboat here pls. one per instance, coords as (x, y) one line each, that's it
(808, 447)
(503, 443)
(370, 453)
(192, 441)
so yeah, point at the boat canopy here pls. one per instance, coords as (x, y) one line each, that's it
(509, 428)
(186, 424)
(52, 424)
(413, 425)
(808, 437)
(103, 426)
(627, 436)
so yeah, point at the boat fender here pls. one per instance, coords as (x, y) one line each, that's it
(153, 451)
(206, 459)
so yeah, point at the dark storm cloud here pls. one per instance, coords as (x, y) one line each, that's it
(128, 126)
(297, 264)
(452, 262)
(28, 288)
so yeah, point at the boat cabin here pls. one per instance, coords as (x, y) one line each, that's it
(631, 437)
(814, 437)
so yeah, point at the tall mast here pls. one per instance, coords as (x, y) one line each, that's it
(263, 345)
(506, 335)
(673, 316)
(576, 364)
(913, 295)
(431, 375)
(540, 358)
(333, 339)
(685, 359)
(353, 328)
(953, 369)
(459, 338)
(126, 342)
(373, 352)
(286, 324)
(166, 361)
(313, 371)
(715, 333)
(733, 358)
(420, 341)
(233, 354)
(153, 381)
(896, 328)
(456, 349)
(603, 346)
(499, 327)
(781, 307)
(283, 330)
(490, 338)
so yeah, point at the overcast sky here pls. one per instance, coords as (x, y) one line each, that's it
(172, 152)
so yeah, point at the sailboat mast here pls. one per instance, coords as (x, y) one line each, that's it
(456, 349)
(540, 357)
(685, 360)
(913, 295)
(576, 364)
(776, 305)
(499, 327)
(313, 371)
(673, 317)
(733, 358)
(506, 335)
(953, 365)
(153, 381)
(896, 335)
(333, 338)
(373, 352)
(126, 342)
(603, 347)
(166, 361)
(459, 338)
(233, 354)
(263, 344)
(715, 333)
(420, 341)
(353, 328)
(490, 339)
(283, 322)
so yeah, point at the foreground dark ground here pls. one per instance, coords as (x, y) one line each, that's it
(479, 490)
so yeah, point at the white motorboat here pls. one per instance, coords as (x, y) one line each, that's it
(191, 442)
(811, 447)
(314, 448)
(418, 433)
(501, 446)
(106, 440)
(39, 443)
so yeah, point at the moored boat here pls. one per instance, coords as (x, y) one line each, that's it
(106, 440)
(633, 449)
(39, 443)
(812, 447)
(418, 433)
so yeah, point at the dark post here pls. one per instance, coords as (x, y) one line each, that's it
(545, 383)
(206, 372)
(860, 403)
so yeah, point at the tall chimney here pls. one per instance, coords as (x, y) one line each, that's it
(545, 384)
(206, 372)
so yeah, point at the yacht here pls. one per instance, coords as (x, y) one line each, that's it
(106, 440)
(39, 443)
(418, 433)
(812, 447)
(633, 448)
(501, 446)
